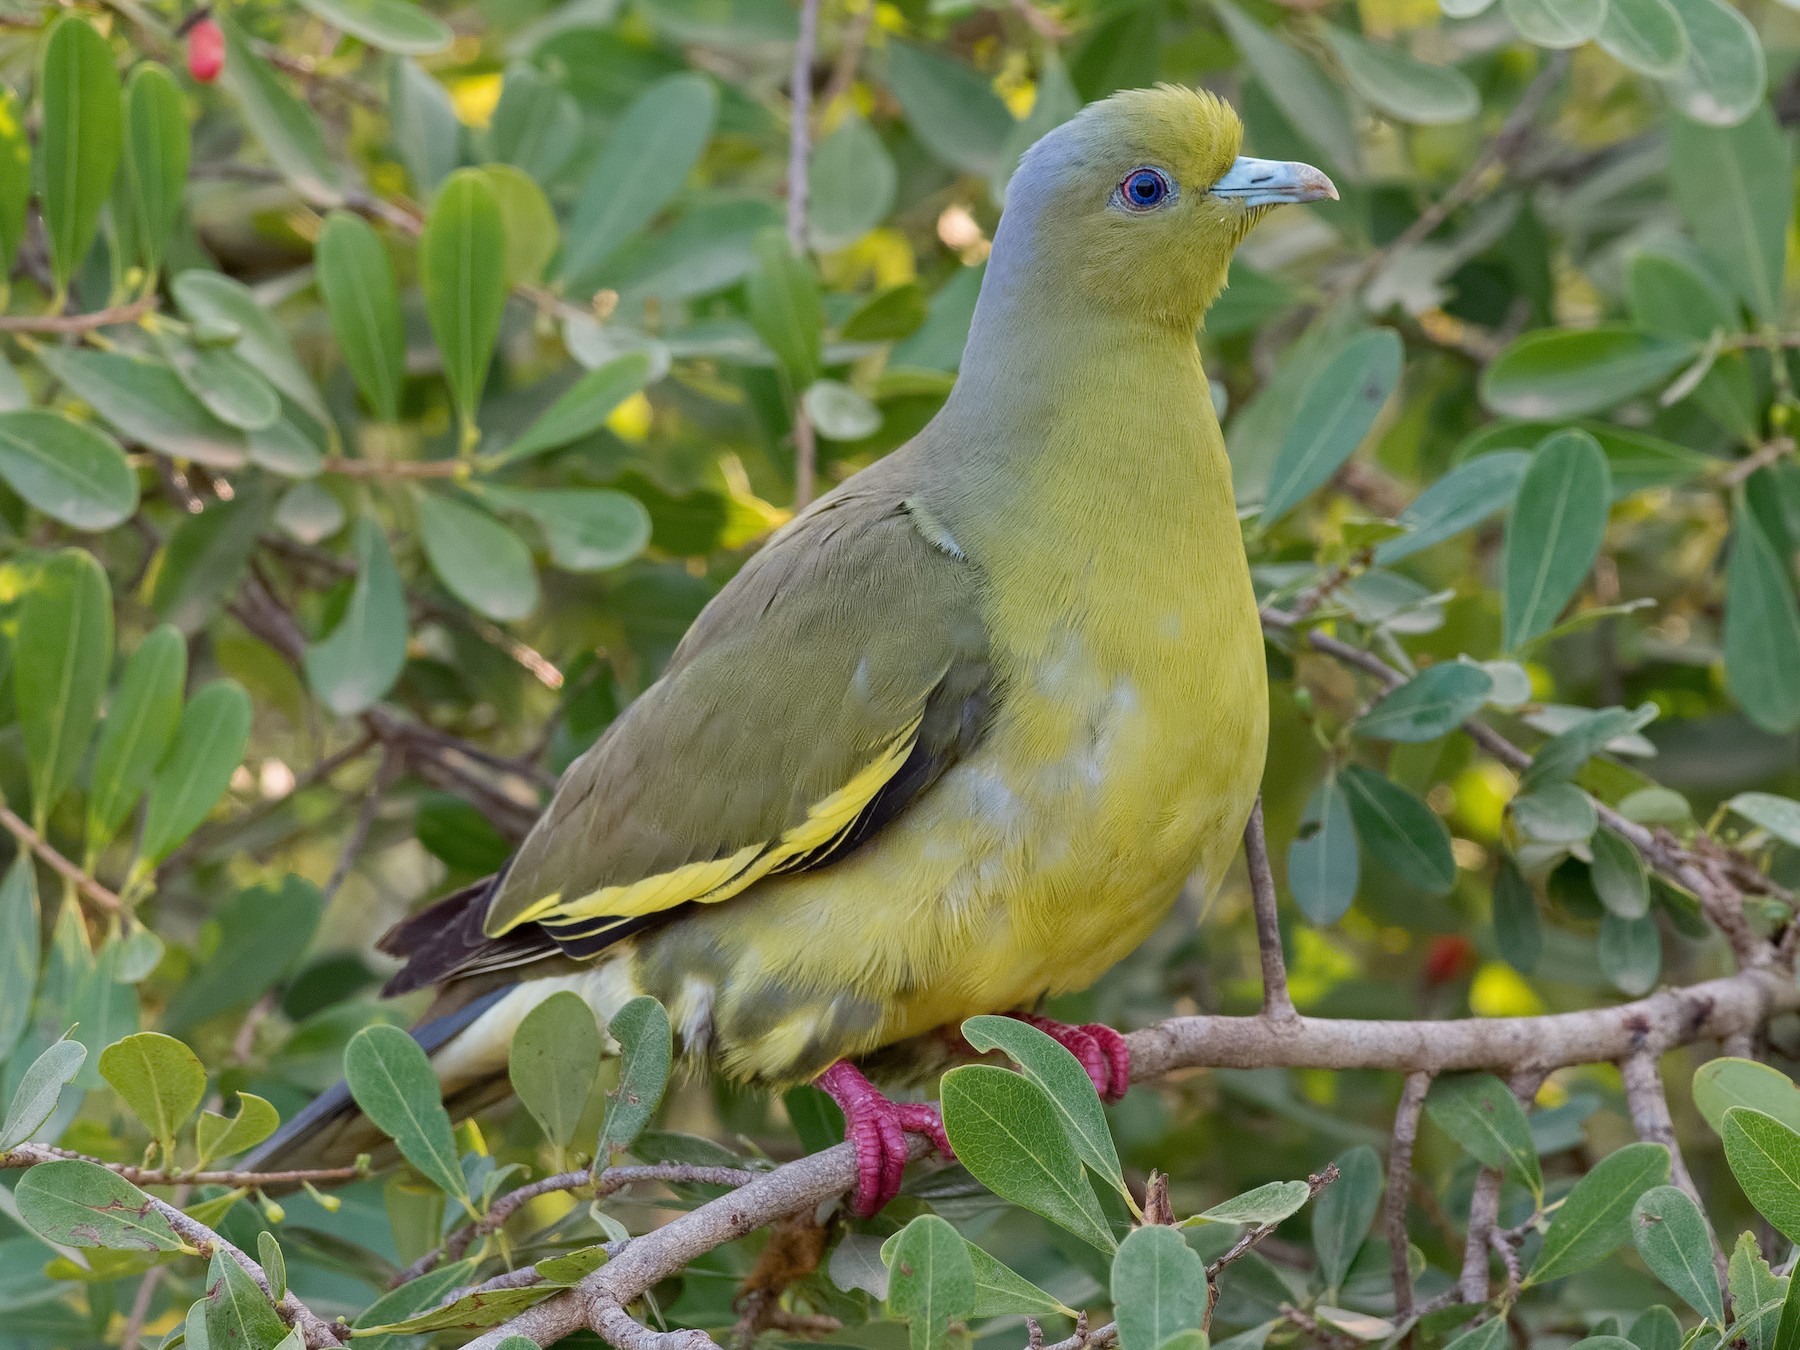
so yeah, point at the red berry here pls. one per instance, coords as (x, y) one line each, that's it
(205, 51)
(1447, 958)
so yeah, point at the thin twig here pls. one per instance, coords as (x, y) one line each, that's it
(1277, 1004)
(33, 1154)
(68, 871)
(1399, 1184)
(1502, 149)
(850, 50)
(69, 324)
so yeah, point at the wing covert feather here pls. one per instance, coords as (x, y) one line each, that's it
(835, 677)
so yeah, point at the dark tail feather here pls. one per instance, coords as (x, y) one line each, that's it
(330, 1132)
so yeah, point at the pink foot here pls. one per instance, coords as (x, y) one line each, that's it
(1101, 1050)
(877, 1128)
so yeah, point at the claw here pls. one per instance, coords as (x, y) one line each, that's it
(876, 1128)
(1102, 1051)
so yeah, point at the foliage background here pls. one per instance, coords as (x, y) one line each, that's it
(402, 587)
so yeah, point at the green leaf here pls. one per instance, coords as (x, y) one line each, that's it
(139, 728)
(226, 385)
(1001, 1291)
(1481, 1114)
(1310, 100)
(1400, 84)
(61, 656)
(586, 529)
(1488, 1335)
(215, 729)
(1619, 876)
(285, 125)
(1725, 76)
(1270, 1203)
(471, 1312)
(1565, 754)
(156, 158)
(1433, 703)
(238, 1313)
(646, 1050)
(391, 1079)
(274, 1264)
(1400, 830)
(40, 1088)
(1671, 297)
(652, 149)
(1594, 1219)
(1672, 1237)
(1729, 186)
(214, 299)
(148, 403)
(479, 559)
(951, 108)
(529, 222)
(1056, 1070)
(1762, 627)
(1757, 1294)
(1787, 1329)
(1516, 931)
(77, 1203)
(1344, 1213)
(839, 412)
(581, 410)
(536, 125)
(1562, 372)
(356, 280)
(1158, 1288)
(1458, 501)
(219, 1137)
(462, 253)
(783, 296)
(1646, 35)
(553, 1063)
(1720, 1084)
(1554, 533)
(262, 931)
(15, 178)
(422, 124)
(1630, 953)
(1339, 408)
(1006, 1131)
(391, 25)
(1323, 865)
(1656, 1328)
(1764, 1155)
(79, 140)
(1780, 816)
(1555, 23)
(19, 942)
(358, 663)
(69, 471)
(851, 183)
(159, 1079)
(932, 1282)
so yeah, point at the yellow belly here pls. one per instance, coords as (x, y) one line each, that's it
(1119, 764)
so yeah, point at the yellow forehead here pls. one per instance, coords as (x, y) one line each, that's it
(1190, 132)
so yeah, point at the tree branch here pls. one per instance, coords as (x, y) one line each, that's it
(65, 869)
(64, 325)
(1277, 1003)
(1649, 1107)
(1399, 1185)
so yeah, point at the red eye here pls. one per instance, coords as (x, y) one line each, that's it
(1143, 189)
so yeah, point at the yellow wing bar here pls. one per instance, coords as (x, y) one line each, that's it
(716, 879)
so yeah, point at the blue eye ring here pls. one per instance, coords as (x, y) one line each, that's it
(1143, 189)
